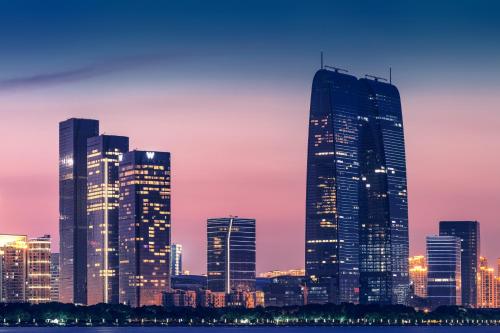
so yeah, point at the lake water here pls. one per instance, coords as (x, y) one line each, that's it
(454, 329)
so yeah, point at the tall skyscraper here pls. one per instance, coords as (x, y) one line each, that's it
(176, 260)
(486, 295)
(144, 227)
(356, 200)
(54, 277)
(39, 269)
(444, 270)
(13, 270)
(231, 255)
(103, 193)
(418, 276)
(469, 234)
(73, 135)
(332, 241)
(384, 245)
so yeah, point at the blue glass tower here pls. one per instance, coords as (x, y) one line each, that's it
(73, 135)
(384, 246)
(332, 189)
(144, 227)
(103, 156)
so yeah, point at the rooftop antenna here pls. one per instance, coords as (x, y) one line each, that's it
(321, 59)
(376, 78)
(336, 69)
(390, 75)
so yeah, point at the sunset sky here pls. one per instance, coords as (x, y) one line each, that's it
(225, 87)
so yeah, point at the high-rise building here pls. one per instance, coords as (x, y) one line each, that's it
(73, 135)
(332, 238)
(444, 270)
(13, 270)
(103, 192)
(144, 227)
(54, 277)
(39, 270)
(469, 234)
(418, 276)
(356, 200)
(231, 255)
(176, 260)
(383, 203)
(486, 285)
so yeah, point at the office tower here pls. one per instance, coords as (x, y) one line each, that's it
(486, 285)
(176, 260)
(418, 275)
(54, 277)
(331, 249)
(144, 227)
(284, 291)
(231, 255)
(103, 193)
(73, 135)
(444, 270)
(383, 204)
(469, 233)
(13, 260)
(39, 269)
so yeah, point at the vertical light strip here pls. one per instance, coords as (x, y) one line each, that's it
(106, 263)
(228, 257)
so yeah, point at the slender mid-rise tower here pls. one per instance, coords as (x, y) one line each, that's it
(103, 191)
(73, 135)
(383, 201)
(39, 277)
(444, 279)
(13, 268)
(469, 234)
(331, 249)
(144, 227)
(231, 255)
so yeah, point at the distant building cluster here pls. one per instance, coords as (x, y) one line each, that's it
(453, 272)
(115, 224)
(25, 272)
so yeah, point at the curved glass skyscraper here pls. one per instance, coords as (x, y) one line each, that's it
(356, 198)
(383, 196)
(332, 189)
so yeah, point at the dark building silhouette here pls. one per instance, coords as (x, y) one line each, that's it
(469, 234)
(73, 135)
(331, 250)
(356, 197)
(444, 272)
(144, 227)
(284, 291)
(103, 156)
(231, 255)
(383, 202)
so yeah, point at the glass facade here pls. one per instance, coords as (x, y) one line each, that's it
(54, 277)
(13, 270)
(468, 232)
(176, 260)
(384, 245)
(103, 191)
(73, 135)
(331, 250)
(444, 270)
(39, 269)
(144, 227)
(231, 255)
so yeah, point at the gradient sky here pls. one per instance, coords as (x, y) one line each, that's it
(225, 87)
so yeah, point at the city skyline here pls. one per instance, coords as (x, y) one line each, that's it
(237, 120)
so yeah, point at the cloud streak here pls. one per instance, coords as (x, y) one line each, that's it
(84, 72)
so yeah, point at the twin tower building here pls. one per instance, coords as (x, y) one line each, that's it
(114, 222)
(356, 199)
